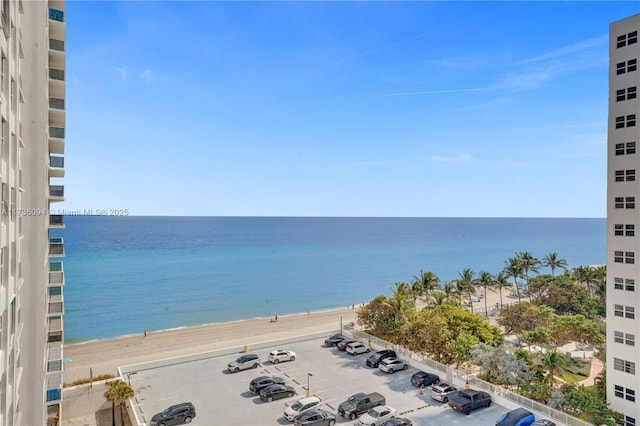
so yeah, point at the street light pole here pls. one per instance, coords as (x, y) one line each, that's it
(308, 388)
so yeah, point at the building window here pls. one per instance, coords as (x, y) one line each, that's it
(629, 257)
(618, 283)
(628, 175)
(625, 393)
(627, 39)
(628, 66)
(625, 202)
(618, 256)
(624, 230)
(629, 421)
(625, 121)
(625, 148)
(624, 366)
(626, 94)
(624, 284)
(624, 338)
(629, 312)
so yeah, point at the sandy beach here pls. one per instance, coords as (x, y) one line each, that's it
(105, 356)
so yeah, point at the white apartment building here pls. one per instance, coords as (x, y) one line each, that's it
(32, 130)
(623, 216)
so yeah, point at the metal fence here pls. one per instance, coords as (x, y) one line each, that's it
(474, 381)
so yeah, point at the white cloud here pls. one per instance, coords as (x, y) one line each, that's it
(568, 50)
(122, 72)
(147, 74)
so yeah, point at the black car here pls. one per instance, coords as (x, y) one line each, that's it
(423, 379)
(262, 382)
(398, 421)
(315, 417)
(543, 422)
(276, 392)
(175, 415)
(374, 360)
(334, 340)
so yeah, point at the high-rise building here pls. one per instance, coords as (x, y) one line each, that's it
(32, 130)
(623, 216)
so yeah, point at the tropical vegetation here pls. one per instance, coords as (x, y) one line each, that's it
(558, 307)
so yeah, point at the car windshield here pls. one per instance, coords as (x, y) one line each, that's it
(352, 400)
(297, 406)
(373, 413)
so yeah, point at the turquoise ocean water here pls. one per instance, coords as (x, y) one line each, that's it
(127, 274)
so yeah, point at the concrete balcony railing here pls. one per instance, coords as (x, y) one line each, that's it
(56, 74)
(56, 221)
(56, 191)
(54, 388)
(56, 132)
(57, 45)
(55, 305)
(56, 274)
(56, 103)
(54, 358)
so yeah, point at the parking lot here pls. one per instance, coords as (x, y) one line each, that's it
(223, 398)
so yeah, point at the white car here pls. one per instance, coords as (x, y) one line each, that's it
(281, 355)
(357, 348)
(376, 416)
(300, 406)
(390, 365)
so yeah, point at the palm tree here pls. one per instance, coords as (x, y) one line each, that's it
(485, 280)
(401, 288)
(439, 298)
(551, 260)
(401, 308)
(117, 393)
(552, 361)
(467, 283)
(529, 263)
(583, 274)
(513, 268)
(450, 289)
(429, 282)
(500, 282)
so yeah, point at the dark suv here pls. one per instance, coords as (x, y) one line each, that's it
(374, 360)
(175, 415)
(262, 382)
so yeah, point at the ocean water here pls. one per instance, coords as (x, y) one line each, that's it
(127, 274)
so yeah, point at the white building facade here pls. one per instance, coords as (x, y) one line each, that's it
(32, 130)
(623, 217)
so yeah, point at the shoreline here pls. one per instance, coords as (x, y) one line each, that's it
(76, 342)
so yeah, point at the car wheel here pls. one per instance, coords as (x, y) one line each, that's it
(368, 350)
(467, 411)
(290, 394)
(235, 370)
(489, 404)
(187, 419)
(275, 361)
(445, 400)
(332, 422)
(255, 365)
(293, 358)
(352, 416)
(404, 367)
(391, 371)
(269, 399)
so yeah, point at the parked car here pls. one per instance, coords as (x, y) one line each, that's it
(174, 415)
(424, 379)
(315, 417)
(342, 346)
(441, 392)
(543, 422)
(390, 365)
(244, 362)
(517, 417)
(300, 406)
(281, 355)
(360, 403)
(376, 416)
(468, 400)
(334, 340)
(398, 421)
(357, 348)
(262, 382)
(374, 360)
(276, 392)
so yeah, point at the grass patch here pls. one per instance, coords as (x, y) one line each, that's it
(572, 378)
(577, 367)
(85, 381)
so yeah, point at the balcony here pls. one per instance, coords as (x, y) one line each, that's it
(56, 166)
(53, 415)
(56, 74)
(56, 274)
(56, 221)
(56, 192)
(56, 247)
(54, 388)
(54, 331)
(56, 103)
(56, 132)
(54, 358)
(56, 15)
(57, 45)
(55, 304)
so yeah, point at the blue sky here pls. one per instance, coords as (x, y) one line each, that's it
(460, 109)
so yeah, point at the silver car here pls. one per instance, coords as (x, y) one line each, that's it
(441, 392)
(244, 362)
(390, 365)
